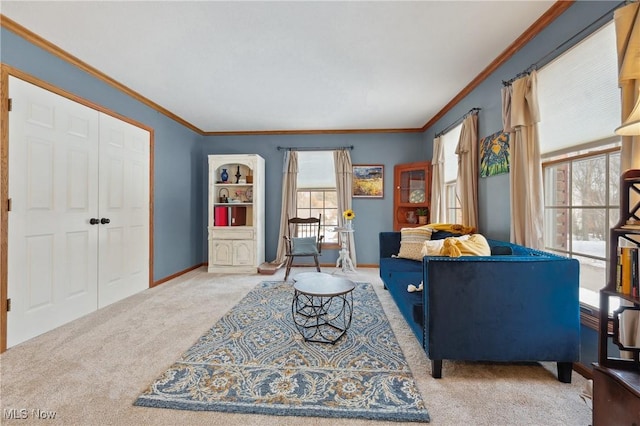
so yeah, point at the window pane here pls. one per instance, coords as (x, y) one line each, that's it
(614, 179)
(590, 236)
(330, 200)
(303, 200)
(589, 231)
(592, 273)
(556, 182)
(614, 217)
(589, 181)
(317, 200)
(557, 229)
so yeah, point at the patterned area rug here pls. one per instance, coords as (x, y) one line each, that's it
(255, 361)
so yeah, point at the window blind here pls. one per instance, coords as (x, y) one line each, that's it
(316, 170)
(578, 94)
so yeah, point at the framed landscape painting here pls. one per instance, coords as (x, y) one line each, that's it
(368, 181)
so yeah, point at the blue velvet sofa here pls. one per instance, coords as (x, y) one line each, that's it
(519, 304)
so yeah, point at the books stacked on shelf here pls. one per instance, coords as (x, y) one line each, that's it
(628, 271)
(229, 216)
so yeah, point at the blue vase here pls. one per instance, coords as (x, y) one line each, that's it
(224, 175)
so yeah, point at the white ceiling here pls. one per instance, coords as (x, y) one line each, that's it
(265, 66)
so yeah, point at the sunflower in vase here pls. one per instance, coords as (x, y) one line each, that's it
(348, 215)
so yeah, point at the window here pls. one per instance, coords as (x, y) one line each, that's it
(581, 204)
(317, 190)
(580, 108)
(450, 140)
(454, 210)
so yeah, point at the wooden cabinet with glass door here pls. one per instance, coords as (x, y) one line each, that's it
(411, 194)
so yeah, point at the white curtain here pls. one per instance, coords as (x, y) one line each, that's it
(344, 188)
(627, 20)
(438, 201)
(520, 118)
(467, 181)
(289, 198)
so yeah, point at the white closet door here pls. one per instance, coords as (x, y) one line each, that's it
(124, 202)
(53, 185)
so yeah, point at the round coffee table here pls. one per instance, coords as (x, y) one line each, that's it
(306, 275)
(322, 307)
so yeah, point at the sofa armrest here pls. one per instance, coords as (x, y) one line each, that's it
(502, 308)
(389, 244)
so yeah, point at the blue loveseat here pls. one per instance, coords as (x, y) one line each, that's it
(519, 304)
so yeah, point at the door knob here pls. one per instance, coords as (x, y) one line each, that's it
(94, 221)
(104, 221)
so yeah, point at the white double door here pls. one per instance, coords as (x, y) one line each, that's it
(79, 222)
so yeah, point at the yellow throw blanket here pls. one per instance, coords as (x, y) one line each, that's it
(451, 227)
(475, 245)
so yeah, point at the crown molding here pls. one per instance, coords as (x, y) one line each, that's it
(549, 16)
(46, 45)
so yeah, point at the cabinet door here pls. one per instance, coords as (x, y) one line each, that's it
(412, 191)
(243, 252)
(222, 252)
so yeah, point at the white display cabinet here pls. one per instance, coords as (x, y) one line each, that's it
(236, 213)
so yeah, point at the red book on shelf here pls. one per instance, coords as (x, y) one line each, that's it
(238, 215)
(220, 216)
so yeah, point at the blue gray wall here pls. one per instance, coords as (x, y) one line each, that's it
(178, 176)
(493, 192)
(372, 215)
(180, 154)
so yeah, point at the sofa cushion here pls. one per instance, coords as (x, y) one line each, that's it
(390, 264)
(411, 242)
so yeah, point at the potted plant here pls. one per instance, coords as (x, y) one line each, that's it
(422, 213)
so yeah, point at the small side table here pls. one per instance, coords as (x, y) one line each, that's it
(322, 308)
(344, 260)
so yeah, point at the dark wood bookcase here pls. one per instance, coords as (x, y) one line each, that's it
(616, 380)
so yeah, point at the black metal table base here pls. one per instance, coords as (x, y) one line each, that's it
(322, 319)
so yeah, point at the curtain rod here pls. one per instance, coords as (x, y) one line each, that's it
(552, 55)
(458, 121)
(312, 148)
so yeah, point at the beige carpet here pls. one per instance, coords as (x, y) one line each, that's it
(90, 372)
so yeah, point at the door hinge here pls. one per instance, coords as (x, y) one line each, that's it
(10, 103)
(8, 305)
(9, 205)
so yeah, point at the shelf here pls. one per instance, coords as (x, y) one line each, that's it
(232, 184)
(629, 379)
(614, 293)
(616, 394)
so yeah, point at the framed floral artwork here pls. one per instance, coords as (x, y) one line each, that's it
(368, 181)
(494, 154)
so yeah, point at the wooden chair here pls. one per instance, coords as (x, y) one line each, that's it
(303, 239)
